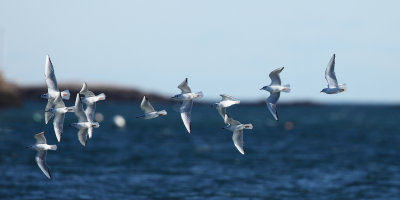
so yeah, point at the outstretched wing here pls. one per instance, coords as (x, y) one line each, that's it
(227, 97)
(146, 106)
(330, 75)
(41, 162)
(79, 112)
(51, 80)
(271, 103)
(237, 138)
(48, 115)
(185, 87)
(58, 102)
(58, 124)
(40, 139)
(230, 121)
(275, 78)
(90, 111)
(186, 110)
(85, 91)
(221, 111)
(82, 136)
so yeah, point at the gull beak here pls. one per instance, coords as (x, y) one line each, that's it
(261, 89)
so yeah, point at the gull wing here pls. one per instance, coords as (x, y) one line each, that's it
(90, 111)
(184, 87)
(58, 102)
(40, 139)
(58, 124)
(237, 138)
(330, 75)
(146, 106)
(221, 111)
(41, 162)
(79, 112)
(230, 121)
(186, 110)
(82, 136)
(275, 78)
(271, 103)
(227, 97)
(48, 115)
(85, 91)
(51, 80)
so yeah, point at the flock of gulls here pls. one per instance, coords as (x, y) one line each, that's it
(55, 109)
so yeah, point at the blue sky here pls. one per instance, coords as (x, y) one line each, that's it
(221, 46)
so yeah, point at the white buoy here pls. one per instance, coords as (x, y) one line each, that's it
(119, 121)
(99, 117)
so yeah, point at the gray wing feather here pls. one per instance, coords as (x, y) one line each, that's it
(275, 78)
(90, 112)
(79, 112)
(82, 136)
(186, 110)
(185, 87)
(330, 75)
(85, 91)
(51, 80)
(146, 106)
(230, 121)
(221, 111)
(49, 115)
(227, 97)
(58, 124)
(237, 138)
(41, 162)
(58, 102)
(271, 103)
(40, 139)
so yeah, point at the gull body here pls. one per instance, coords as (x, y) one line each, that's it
(58, 112)
(275, 89)
(187, 97)
(225, 102)
(52, 88)
(42, 147)
(84, 125)
(330, 76)
(237, 128)
(149, 111)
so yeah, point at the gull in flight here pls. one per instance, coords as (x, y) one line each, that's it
(149, 112)
(85, 123)
(41, 147)
(330, 76)
(52, 89)
(237, 128)
(58, 112)
(225, 102)
(275, 89)
(90, 100)
(187, 97)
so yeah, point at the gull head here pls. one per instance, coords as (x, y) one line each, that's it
(95, 125)
(324, 90)
(264, 88)
(174, 97)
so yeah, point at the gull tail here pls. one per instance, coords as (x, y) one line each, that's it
(101, 96)
(199, 95)
(248, 126)
(65, 94)
(286, 88)
(53, 147)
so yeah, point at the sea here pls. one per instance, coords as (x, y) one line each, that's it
(313, 152)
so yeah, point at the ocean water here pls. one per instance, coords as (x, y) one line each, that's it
(313, 152)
